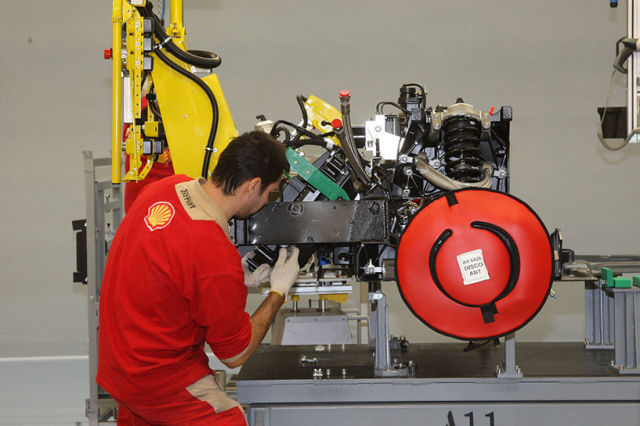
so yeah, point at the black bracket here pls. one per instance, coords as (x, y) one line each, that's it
(80, 229)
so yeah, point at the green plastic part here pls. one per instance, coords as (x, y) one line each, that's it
(636, 281)
(314, 177)
(621, 282)
(607, 277)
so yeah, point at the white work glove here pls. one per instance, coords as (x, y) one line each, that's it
(258, 276)
(285, 272)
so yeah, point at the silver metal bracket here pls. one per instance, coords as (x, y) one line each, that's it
(509, 369)
(384, 366)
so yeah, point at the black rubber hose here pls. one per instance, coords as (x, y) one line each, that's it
(214, 108)
(316, 142)
(300, 130)
(212, 60)
(419, 86)
(312, 138)
(287, 134)
(380, 107)
(205, 54)
(305, 118)
(197, 58)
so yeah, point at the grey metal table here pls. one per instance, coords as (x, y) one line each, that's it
(563, 384)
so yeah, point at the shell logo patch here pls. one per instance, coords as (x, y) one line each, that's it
(159, 215)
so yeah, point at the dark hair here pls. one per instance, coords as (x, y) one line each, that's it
(250, 155)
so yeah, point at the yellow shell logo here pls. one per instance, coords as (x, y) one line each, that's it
(159, 215)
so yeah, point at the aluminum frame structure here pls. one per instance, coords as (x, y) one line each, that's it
(613, 322)
(633, 94)
(104, 201)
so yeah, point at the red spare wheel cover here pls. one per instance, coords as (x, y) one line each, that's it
(475, 264)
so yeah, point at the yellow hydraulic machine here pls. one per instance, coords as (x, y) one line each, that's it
(187, 112)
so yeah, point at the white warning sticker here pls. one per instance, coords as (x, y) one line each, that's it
(472, 267)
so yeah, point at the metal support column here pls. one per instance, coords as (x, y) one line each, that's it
(627, 330)
(598, 316)
(509, 369)
(379, 337)
(104, 214)
(633, 31)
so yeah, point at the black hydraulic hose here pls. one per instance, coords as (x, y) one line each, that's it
(212, 60)
(380, 107)
(345, 135)
(214, 108)
(419, 86)
(301, 130)
(197, 58)
(205, 55)
(305, 118)
(316, 142)
(312, 138)
(276, 134)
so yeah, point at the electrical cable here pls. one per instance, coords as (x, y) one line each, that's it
(398, 152)
(311, 141)
(214, 106)
(197, 58)
(276, 134)
(188, 58)
(601, 138)
(305, 118)
(424, 92)
(630, 46)
(295, 143)
(496, 137)
(380, 107)
(155, 111)
(473, 345)
(493, 151)
(388, 192)
(276, 127)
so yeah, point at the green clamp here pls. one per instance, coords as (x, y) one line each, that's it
(607, 277)
(314, 177)
(621, 282)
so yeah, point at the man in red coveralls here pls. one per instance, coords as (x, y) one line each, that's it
(174, 280)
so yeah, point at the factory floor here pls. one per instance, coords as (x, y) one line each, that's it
(43, 390)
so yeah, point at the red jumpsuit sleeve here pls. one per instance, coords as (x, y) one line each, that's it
(214, 286)
(219, 306)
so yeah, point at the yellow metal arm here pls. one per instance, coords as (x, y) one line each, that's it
(176, 28)
(116, 101)
(181, 107)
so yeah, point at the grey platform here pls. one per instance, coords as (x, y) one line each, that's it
(563, 384)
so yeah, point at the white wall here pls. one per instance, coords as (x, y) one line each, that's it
(549, 60)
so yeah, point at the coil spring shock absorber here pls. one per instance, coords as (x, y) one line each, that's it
(463, 160)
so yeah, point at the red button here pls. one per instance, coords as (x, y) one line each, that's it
(345, 93)
(336, 124)
(108, 53)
